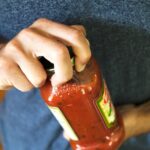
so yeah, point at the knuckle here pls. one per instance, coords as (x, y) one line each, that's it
(61, 51)
(87, 57)
(5, 65)
(40, 80)
(12, 46)
(25, 32)
(41, 21)
(82, 27)
(14, 50)
(76, 35)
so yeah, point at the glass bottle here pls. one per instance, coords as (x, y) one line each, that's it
(84, 109)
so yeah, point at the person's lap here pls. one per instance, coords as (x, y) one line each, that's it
(27, 123)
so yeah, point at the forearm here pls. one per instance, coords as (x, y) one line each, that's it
(142, 119)
(136, 119)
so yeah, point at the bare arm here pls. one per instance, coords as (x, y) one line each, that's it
(136, 119)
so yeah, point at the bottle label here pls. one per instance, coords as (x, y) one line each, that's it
(63, 122)
(106, 107)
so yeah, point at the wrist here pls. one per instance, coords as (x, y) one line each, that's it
(129, 127)
(129, 116)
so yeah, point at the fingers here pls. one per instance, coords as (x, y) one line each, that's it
(43, 38)
(19, 80)
(11, 75)
(52, 50)
(80, 28)
(71, 35)
(63, 71)
(33, 70)
(29, 64)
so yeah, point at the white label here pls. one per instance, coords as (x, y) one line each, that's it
(63, 122)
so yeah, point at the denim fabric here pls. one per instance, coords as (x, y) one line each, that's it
(119, 34)
(27, 124)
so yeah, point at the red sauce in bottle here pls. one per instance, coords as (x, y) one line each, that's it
(84, 109)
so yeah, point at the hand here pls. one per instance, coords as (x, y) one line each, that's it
(19, 65)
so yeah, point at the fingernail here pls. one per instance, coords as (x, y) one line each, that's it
(81, 68)
(55, 82)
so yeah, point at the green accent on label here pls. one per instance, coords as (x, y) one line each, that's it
(73, 61)
(106, 107)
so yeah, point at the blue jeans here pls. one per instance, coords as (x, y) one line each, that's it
(27, 124)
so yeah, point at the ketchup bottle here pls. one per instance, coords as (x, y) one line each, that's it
(84, 109)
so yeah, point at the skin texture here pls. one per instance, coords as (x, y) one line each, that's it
(19, 65)
(136, 119)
